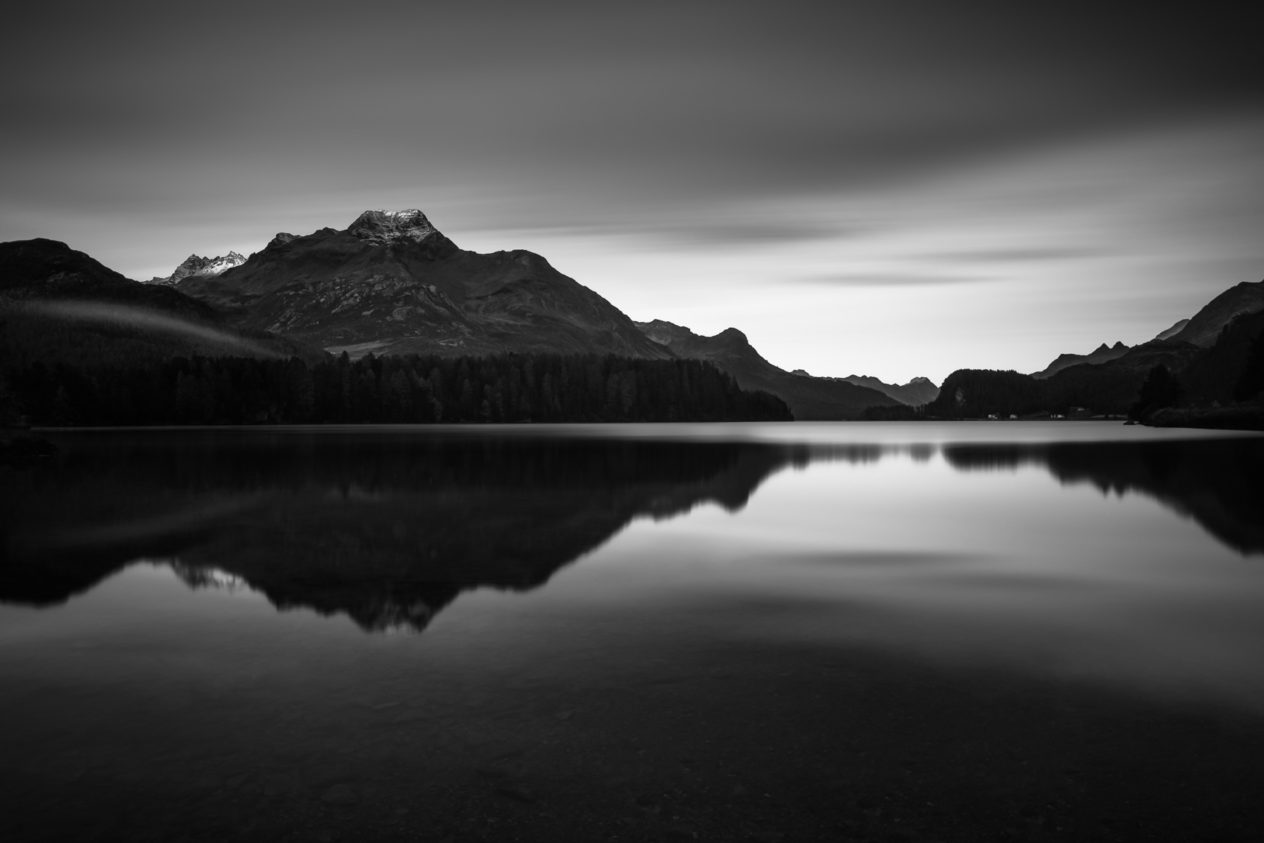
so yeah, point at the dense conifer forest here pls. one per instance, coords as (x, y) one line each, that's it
(406, 390)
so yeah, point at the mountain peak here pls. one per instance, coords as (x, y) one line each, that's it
(382, 227)
(196, 265)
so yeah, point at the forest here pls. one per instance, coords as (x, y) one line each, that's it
(414, 389)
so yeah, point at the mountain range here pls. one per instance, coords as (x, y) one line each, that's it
(1213, 359)
(389, 283)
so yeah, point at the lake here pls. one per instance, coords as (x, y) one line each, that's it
(974, 631)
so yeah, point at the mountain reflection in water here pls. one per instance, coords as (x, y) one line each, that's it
(388, 528)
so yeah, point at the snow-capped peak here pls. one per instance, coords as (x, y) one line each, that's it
(203, 267)
(390, 226)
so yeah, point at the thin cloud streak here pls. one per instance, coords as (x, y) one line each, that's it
(1016, 254)
(877, 280)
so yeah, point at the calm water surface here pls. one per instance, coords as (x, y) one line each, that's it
(726, 632)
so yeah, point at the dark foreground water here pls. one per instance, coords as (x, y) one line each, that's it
(786, 632)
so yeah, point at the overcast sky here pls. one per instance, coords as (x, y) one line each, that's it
(886, 188)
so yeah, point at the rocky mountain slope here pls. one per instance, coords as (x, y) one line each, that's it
(200, 266)
(391, 283)
(809, 398)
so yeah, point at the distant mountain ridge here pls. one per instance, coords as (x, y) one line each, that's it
(809, 398)
(200, 266)
(1101, 354)
(915, 393)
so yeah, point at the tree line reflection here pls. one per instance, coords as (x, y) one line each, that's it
(388, 528)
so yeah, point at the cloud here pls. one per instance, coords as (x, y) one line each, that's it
(1017, 254)
(894, 279)
(753, 232)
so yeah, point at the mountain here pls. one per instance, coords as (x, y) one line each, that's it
(915, 393)
(1101, 354)
(60, 305)
(1108, 388)
(1219, 373)
(36, 270)
(200, 266)
(1214, 362)
(391, 283)
(1201, 330)
(1172, 331)
(1205, 326)
(809, 398)
(1217, 384)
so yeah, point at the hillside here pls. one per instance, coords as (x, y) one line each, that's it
(809, 398)
(60, 305)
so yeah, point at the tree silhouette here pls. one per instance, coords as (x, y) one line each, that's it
(412, 390)
(1160, 389)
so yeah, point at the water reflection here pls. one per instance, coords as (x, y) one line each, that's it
(389, 528)
(386, 529)
(1214, 481)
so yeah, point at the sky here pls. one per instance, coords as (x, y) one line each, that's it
(889, 188)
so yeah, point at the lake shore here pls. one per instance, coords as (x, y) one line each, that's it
(1242, 417)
